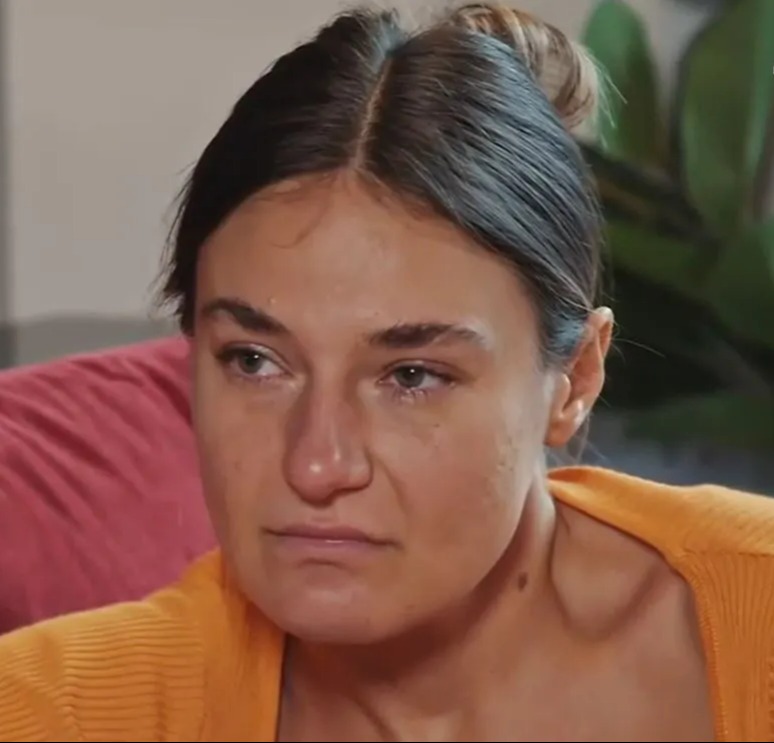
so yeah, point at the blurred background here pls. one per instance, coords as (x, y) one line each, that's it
(105, 105)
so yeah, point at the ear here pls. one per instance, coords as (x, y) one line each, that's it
(580, 383)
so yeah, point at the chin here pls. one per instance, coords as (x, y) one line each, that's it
(329, 617)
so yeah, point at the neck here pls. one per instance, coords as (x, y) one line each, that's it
(438, 682)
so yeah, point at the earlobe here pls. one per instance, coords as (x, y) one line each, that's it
(565, 425)
(564, 413)
(577, 413)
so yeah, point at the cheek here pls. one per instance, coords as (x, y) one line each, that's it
(463, 478)
(239, 452)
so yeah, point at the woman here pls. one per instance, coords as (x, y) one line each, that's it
(386, 261)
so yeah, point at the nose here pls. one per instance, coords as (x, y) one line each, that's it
(325, 452)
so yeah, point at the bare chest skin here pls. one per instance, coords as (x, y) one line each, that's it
(650, 685)
(645, 693)
(640, 675)
(624, 664)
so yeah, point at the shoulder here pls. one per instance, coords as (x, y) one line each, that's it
(719, 540)
(700, 519)
(134, 669)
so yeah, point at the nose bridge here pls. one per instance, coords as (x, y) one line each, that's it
(325, 448)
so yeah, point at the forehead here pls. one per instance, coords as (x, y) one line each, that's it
(333, 246)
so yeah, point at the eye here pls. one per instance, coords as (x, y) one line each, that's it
(249, 362)
(417, 379)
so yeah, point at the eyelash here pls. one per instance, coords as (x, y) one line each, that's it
(231, 354)
(444, 379)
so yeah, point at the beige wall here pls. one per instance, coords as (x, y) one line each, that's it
(109, 101)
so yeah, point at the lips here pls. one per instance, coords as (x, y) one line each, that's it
(331, 534)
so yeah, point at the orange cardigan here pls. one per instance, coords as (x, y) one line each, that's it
(195, 662)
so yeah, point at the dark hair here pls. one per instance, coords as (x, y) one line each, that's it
(471, 116)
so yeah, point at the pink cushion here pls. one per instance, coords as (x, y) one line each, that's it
(100, 499)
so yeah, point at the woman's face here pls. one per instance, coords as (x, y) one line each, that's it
(369, 405)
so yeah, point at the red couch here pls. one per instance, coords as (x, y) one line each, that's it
(100, 499)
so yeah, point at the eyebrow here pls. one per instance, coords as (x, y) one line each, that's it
(401, 336)
(245, 315)
(419, 335)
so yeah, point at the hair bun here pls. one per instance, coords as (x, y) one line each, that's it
(562, 68)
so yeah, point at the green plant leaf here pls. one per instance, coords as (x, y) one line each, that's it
(740, 288)
(646, 197)
(726, 94)
(727, 419)
(667, 346)
(630, 126)
(654, 256)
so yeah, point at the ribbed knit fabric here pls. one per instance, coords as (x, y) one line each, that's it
(195, 662)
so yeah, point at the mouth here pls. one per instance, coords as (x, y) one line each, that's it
(311, 539)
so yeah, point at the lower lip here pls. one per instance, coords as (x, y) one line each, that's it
(325, 548)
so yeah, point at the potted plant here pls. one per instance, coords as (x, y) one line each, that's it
(689, 248)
